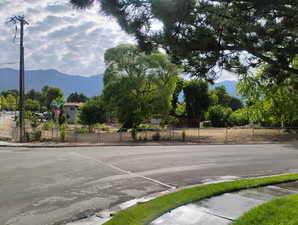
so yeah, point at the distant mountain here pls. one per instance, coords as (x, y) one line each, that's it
(230, 85)
(37, 79)
(90, 86)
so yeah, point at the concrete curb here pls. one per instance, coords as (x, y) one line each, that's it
(132, 145)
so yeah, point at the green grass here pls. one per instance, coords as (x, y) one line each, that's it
(145, 213)
(281, 211)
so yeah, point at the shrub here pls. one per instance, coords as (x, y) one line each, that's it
(82, 130)
(29, 136)
(238, 118)
(218, 115)
(48, 125)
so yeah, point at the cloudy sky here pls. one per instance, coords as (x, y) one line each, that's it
(60, 37)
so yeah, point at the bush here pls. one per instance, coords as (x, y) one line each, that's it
(101, 126)
(29, 136)
(48, 125)
(82, 130)
(218, 115)
(238, 118)
(156, 136)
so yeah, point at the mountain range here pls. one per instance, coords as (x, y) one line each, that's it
(89, 86)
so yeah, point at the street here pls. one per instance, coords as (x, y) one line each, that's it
(42, 186)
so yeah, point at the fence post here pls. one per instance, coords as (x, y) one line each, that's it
(98, 137)
(253, 133)
(120, 135)
(199, 133)
(226, 139)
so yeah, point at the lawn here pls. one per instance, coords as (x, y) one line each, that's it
(281, 211)
(144, 213)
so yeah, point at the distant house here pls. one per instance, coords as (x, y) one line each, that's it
(71, 110)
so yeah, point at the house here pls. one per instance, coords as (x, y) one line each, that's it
(71, 110)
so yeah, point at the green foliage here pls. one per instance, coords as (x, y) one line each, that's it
(82, 130)
(50, 94)
(48, 125)
(218, 115)
(206, 34)
(35, 95)
(32, 105)
(76, 97)
(3, 103)
(142, 214)
(11, 102)
(12, 92)
(197, 99)
(270, 103)
(138, 86)
(276, 212)
(92, 112)
(239, 117)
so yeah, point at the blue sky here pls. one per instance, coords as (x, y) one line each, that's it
(60, 37)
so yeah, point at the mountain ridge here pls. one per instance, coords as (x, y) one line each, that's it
(89, 86)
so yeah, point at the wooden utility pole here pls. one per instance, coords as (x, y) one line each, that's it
(22, 21)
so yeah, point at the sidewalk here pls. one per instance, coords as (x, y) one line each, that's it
(224, 209)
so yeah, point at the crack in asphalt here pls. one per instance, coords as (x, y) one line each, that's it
(122, 170)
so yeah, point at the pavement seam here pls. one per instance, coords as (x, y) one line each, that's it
(124, 171)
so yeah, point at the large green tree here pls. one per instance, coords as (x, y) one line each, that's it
(270, 103)
(138, 86)
(236, 35)
(76, 97)
(197, 100)
(50, 94)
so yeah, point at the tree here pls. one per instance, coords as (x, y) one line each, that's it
(3, 103)
(35, 95)
(205, 35)
(32, 105)
(138, 86)
(92, 112)
(223, 96)
(75, 97)
(270, 103)
(235, 103)
(197, 100)
(219, 115)
(175, 98)
(50, 94)
(12, 92)
(11, 102)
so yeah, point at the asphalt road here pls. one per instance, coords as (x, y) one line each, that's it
(51, 186)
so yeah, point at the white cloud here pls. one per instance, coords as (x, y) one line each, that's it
(59, 36)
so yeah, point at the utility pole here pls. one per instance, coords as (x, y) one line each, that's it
(22, 21)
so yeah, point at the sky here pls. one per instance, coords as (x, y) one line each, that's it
(60, 37)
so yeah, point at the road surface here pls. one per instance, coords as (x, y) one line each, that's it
(52, 186)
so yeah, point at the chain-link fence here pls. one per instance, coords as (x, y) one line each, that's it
(171, 135)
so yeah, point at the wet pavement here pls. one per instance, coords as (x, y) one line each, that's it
(223, 209)
(47, 186)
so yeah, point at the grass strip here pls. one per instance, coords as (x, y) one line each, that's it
(281, 211)
(145, 213)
